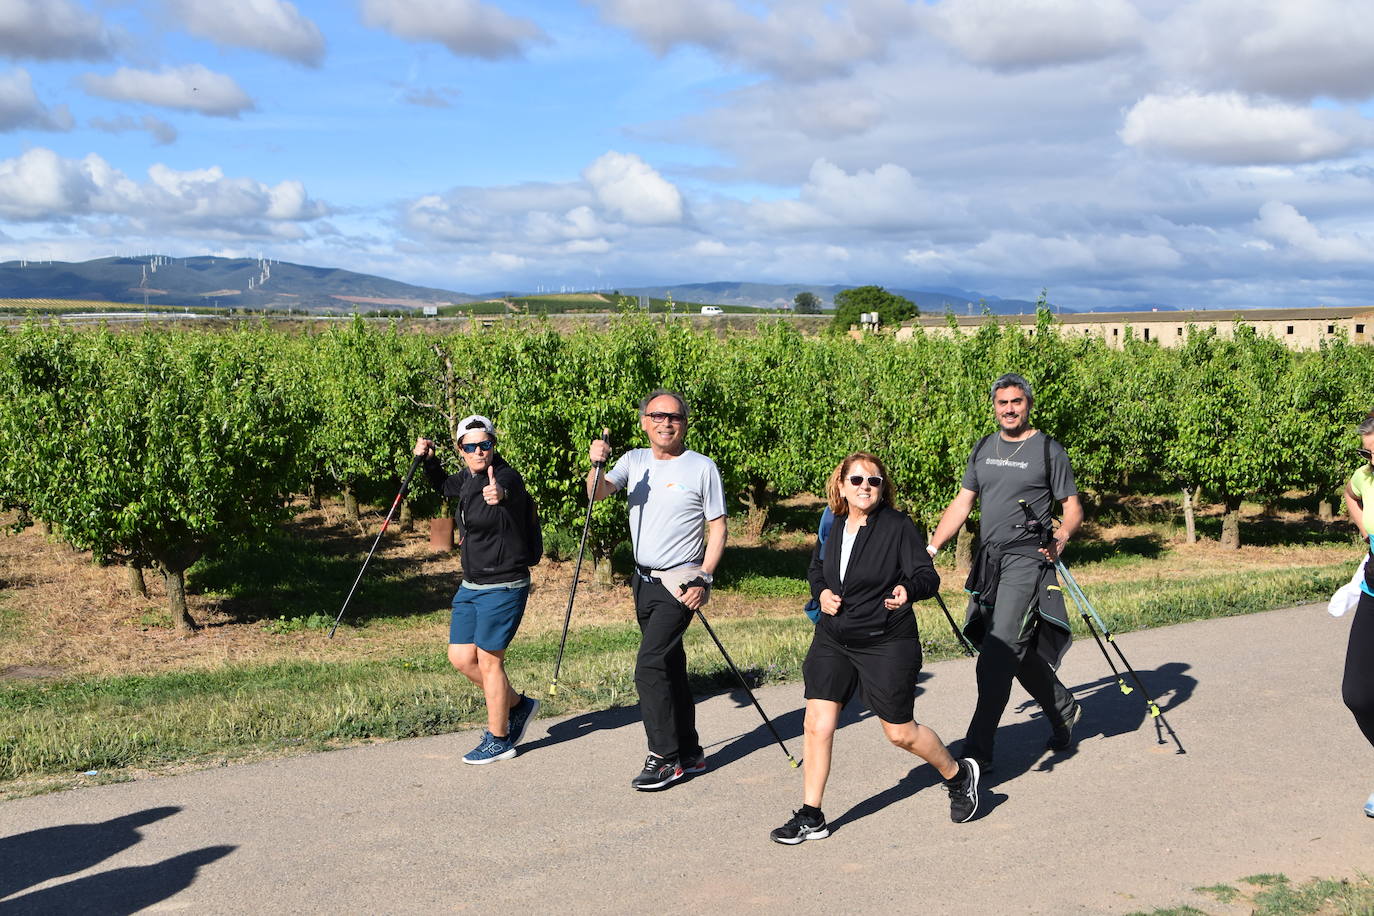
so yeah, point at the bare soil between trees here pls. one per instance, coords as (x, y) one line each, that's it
(62, 615)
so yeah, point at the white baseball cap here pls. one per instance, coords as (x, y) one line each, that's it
(475, 421)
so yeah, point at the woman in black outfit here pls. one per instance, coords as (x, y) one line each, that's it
(1357, 688)
(875, 564)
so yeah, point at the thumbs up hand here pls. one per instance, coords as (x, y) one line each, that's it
(493, 492)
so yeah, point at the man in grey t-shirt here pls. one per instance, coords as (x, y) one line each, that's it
(1016, 612)
(677, 526)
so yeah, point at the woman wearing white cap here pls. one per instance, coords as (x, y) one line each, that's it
(500, 541)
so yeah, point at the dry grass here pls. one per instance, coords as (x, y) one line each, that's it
(64, 614)
(60, 613)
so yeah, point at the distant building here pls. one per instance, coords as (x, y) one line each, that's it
(1300, 329)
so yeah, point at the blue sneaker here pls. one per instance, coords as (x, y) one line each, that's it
(520, 715)
(1369, 807)
(489, 750)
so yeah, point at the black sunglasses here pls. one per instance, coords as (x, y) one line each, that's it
(858, 479)
(470, 447)
(1366, 454)
(659, 416)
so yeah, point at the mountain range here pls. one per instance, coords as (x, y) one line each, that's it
(259, 283)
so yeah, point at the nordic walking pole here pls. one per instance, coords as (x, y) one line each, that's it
(1082, 600)
(1085, 607)
(400, 495)
(958, 633)
(745, 684)
(577, 570)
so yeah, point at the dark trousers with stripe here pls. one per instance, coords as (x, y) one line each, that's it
(1008, 652)
(665, 700)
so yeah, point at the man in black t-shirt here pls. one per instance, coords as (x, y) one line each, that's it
(1016, 611)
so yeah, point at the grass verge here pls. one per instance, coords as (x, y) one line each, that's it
(1277, 895)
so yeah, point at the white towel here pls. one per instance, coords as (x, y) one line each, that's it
(1348, 595)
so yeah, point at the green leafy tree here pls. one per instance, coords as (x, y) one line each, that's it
(153, 447)
(806, 303)
(851, 303)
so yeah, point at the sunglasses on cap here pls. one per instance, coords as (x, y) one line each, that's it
(857, 480)
(470, 447)
(659, 416)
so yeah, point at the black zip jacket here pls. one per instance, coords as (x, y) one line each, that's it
(494, 547)
(888, 551)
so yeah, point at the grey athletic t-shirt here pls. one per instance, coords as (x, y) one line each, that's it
(669, 500)
(1003, 472)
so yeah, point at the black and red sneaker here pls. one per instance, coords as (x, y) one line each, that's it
(693, 764)
(657, 773)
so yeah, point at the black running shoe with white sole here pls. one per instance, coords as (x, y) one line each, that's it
(657, 773)
(800, 829)
(963, 792)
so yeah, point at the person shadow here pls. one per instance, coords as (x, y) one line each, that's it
(28, 859)
(119, 891)
(582, 725)
(1107, 713)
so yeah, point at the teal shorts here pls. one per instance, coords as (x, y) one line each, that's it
(487, 617)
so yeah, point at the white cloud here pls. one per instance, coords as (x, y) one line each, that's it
(41, 185)
(51, 30)
(799, 40)
(271, 26)
(710, 248)
(587, 246)
(20, 107)
(1024, 34)
(1227, 128)
(1278, 47)
(1050, 257)
(885, 198)
(1282, 223)
(188, 88)
(468, 28)
(629, 187)
(161, 132)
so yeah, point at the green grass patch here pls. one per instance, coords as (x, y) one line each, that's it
(146, 721)
(1276, 895)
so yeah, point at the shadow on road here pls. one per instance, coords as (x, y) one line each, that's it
(119, 891)
(1107, 712)
(27, 859)
(585, 724)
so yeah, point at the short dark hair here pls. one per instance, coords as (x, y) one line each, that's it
(663, 392)
(1012, 380)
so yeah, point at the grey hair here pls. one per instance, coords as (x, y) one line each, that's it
(1012, 380)
(663, 392)
(1366, 425)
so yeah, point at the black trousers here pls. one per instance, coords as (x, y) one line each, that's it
(1008, 652)
(665, 701)
(1357, 688)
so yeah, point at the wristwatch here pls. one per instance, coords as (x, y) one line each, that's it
(932, 549)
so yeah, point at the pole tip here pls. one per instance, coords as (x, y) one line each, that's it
(795, 762)
(553, 689)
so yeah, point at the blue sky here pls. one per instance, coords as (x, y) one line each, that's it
(1212, 153)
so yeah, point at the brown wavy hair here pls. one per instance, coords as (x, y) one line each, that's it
(838, 504)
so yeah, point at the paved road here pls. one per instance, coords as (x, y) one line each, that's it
(1273, 780)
